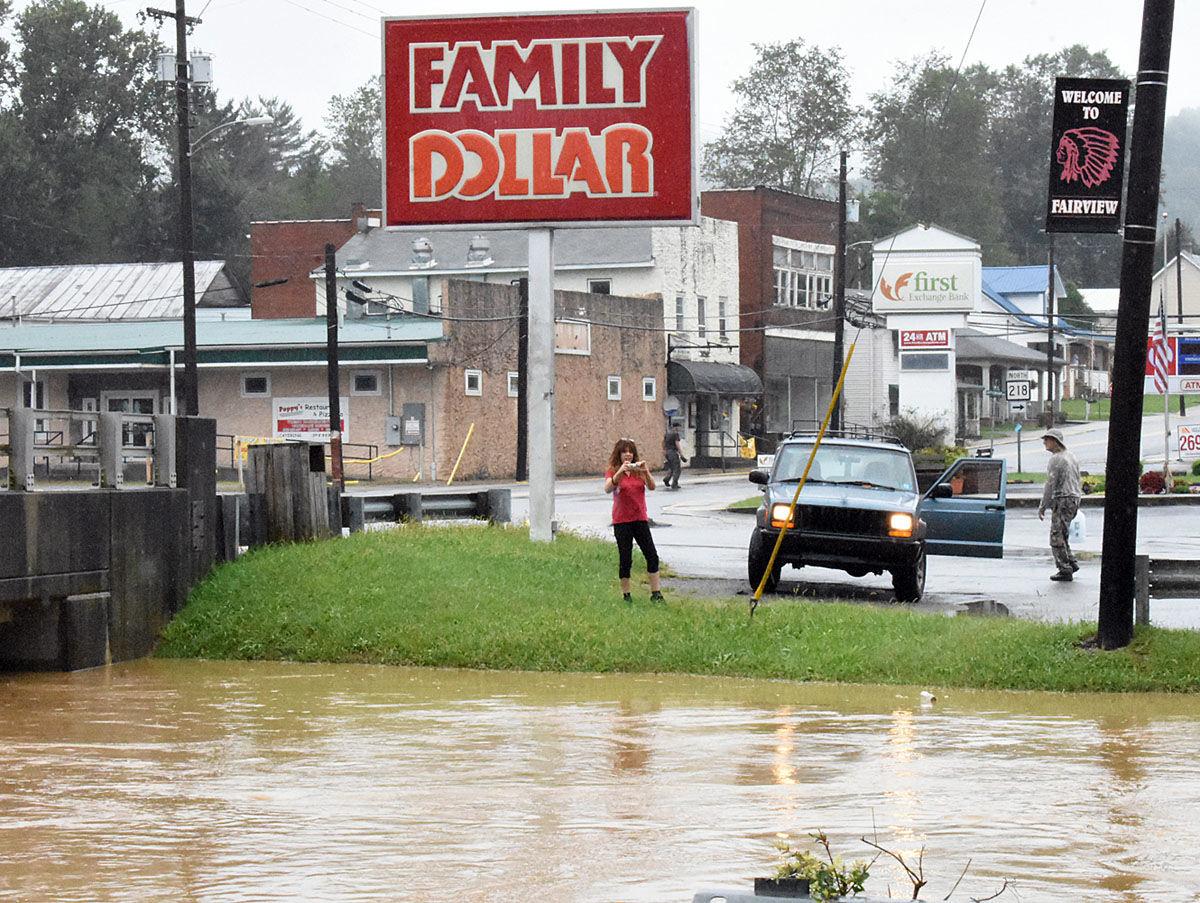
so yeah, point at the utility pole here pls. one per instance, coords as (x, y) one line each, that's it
(1178, 293)
(335, 399)
(839, 292)
(523, 380)
(1050, 332)
(191, 402)
(1115, 627)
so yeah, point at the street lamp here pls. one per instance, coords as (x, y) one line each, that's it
(249, 120)
(187, 147)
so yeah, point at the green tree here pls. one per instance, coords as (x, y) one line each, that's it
(1075, 310)
(80, 128)
(354, 130)
(1181, 167)
(925, 137)
(793, 115)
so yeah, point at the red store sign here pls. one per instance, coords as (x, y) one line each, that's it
(550, 119)
(924, 338)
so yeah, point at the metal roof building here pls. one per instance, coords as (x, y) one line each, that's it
(111, 291)
(219, 343)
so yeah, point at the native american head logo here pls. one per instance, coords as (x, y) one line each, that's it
(1087, 154)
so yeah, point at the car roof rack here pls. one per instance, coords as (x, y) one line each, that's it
(802, 428)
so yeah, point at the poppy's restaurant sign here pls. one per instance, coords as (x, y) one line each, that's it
(930, 286)
(1087, 162)
(552, 119)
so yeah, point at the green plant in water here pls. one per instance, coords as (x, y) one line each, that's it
(829, 878)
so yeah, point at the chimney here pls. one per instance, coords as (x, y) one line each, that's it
(358, 217)
(422, 254)
(479, 252)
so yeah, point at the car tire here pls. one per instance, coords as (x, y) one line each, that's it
(757, 557)
(909, 581)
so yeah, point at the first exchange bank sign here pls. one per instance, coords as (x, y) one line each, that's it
(550, 119)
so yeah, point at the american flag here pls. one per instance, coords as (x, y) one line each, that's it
(1160, 352)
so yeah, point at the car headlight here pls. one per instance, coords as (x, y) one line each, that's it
(779, 515)
(900, 524)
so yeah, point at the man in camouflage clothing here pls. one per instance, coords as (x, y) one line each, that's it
(1061, 496)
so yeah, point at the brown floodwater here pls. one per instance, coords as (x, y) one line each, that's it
(235, 782)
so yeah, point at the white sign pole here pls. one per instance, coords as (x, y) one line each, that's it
(540, 385)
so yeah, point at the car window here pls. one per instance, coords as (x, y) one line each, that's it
(881, 467)
(975, 480)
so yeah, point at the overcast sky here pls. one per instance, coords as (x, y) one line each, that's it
(306, 51)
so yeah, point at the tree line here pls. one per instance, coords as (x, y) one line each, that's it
(967, 149)
(87, 148)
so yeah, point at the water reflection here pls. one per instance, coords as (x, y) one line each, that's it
(216, 781)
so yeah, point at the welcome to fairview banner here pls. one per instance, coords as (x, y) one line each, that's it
(1087, 154)
(548, 119)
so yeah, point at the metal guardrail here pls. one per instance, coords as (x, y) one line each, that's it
(105, 442)
(1163, 578)
(492, 505)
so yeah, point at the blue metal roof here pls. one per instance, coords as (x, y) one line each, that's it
(159, 335)
(1027, 280)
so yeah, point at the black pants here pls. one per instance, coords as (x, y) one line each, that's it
(626, 534)
(673, 469)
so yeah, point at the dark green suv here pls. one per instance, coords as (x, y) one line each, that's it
(861, 512)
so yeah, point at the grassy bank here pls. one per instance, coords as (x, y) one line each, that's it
(1078, 409)
(487, 598)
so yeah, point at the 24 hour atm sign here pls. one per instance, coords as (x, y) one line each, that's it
(539, 119)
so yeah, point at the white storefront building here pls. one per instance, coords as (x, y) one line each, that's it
(943, 355)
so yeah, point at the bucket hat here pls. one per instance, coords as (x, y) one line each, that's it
(1056, 435)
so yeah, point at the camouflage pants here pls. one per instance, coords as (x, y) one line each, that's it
(1062, 512)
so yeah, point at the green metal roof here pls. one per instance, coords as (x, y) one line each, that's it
(217, 341)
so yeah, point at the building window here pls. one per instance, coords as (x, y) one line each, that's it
(679, 313)
(701, 325)
(33, 394)
(364, 382)
(473, 382)
(600, 286)
(721, 324)
(256, 385)
(572, 337)
(803, 275)
(614, 388)
(893, 400)
(649, 388)
(513, 384)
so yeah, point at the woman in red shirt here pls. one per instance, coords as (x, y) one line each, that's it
(627, 479)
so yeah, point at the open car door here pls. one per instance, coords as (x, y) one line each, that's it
(964, 509)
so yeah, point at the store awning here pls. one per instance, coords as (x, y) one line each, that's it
(710, 378)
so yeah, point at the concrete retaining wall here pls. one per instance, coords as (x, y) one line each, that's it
(93, 576)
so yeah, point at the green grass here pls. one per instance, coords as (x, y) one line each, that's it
(1027, 476)
(1076, 408)
(746, 504)
(488, 598)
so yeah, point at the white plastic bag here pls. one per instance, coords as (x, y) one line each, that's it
(1077, 532)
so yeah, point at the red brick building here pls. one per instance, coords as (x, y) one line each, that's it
(786, 245)
(291, 250)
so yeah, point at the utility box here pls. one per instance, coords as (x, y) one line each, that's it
(166, 67)
(201, 68)
(392, 430)
(409, 427)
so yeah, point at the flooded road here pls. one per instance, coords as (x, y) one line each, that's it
(226, 781)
